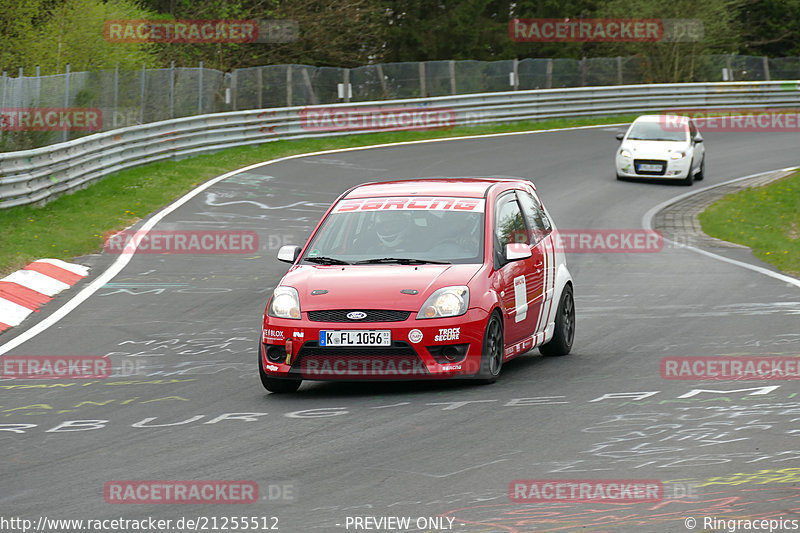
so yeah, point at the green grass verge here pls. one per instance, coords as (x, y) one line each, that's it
(76, 224)
(767, 219)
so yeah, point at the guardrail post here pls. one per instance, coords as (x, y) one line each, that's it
(309, 87)
(765, 60)
(66, 97)
(141, 95)
(3, 97)
(260, 86)
(619, 70)
(172, 89)
(288, 86)
(452, 67)
(379, 68)
(234, 88)
(21, 85)
(346, 85)
(515, 72)
(583, 71)
(422, 91)
(115, 112)
(200, 90)
(548, 76)
(728, 64)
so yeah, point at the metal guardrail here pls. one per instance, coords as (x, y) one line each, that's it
(42, 174)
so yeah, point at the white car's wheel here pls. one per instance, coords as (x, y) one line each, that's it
(702, 172)
(689, 179)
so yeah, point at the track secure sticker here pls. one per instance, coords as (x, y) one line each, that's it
(448, 334)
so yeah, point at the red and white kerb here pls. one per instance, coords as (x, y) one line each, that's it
(24, 291)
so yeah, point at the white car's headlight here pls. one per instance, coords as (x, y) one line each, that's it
(677, 155)
(446, 302)
(625, 153)
(285, 303)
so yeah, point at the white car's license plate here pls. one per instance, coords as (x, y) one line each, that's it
(649, 168)
(355, 337)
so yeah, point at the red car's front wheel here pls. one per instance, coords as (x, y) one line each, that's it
(492, 351)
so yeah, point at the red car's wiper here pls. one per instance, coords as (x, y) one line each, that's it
(401, 261)
(322, 260)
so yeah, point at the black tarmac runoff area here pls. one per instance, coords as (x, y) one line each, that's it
(600, 440)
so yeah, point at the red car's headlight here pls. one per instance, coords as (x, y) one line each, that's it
(285, 303)
(446, 302)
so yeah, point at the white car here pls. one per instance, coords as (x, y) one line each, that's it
(661, 147)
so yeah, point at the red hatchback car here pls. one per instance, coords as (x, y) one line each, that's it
(419, 279)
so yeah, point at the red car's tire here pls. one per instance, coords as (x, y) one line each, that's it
(492, 350)
(564, 334)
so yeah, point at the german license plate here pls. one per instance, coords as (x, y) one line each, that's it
(355, 337)
(649, 168)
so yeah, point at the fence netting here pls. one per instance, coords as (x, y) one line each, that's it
(130, 97)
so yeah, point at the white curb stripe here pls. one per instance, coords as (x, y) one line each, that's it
(11, 313)
(72, 267)
(37, 281)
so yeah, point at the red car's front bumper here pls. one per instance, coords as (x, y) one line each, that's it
(420, 349)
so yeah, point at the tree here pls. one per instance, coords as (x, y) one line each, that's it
(770, 27)
(53, 35)
(342, 34)
(676, 61)
(18, 32)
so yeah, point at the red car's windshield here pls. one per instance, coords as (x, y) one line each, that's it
(446, 230)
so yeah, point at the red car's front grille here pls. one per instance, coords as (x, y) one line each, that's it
(372, 315)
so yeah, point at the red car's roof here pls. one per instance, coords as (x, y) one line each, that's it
(464, 187)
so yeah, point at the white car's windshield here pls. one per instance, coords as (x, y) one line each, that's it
(449, 232)
(656, 131)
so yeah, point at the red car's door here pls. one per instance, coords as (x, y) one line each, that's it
(521, 281)
(539, 228)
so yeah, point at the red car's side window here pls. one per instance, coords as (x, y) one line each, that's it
(538, 224)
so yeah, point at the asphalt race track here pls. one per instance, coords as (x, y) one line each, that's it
(182, 332)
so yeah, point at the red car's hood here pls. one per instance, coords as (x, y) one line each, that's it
(373, 286)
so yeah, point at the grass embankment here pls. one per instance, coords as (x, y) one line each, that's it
(767, 219)
(76, 224)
